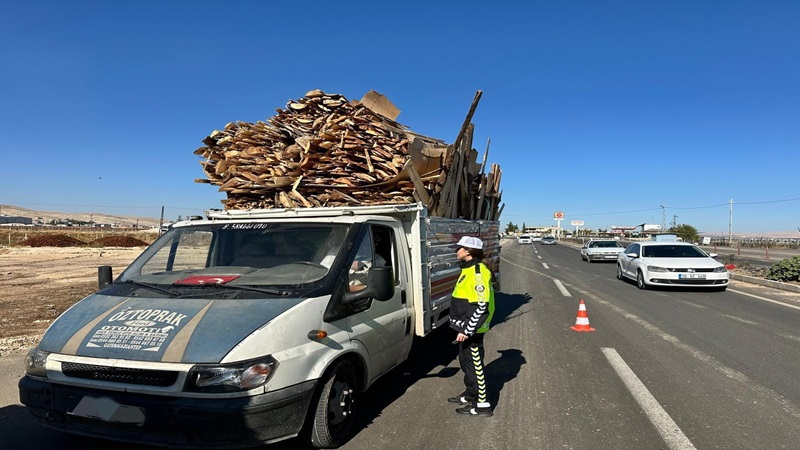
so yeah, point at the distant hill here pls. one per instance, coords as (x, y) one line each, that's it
(100, 218)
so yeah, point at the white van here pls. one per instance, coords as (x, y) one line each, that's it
(247, 328)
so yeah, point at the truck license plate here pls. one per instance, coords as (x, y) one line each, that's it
(108, 410)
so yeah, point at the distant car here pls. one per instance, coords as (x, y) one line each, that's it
(549, 240)
(601, 250)
(536, 238)
(524, 239)
(658, 263)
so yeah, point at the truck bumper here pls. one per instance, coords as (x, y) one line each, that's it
(173, 421)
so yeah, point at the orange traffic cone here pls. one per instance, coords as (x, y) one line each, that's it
(582, 321)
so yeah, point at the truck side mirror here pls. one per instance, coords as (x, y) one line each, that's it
(104, 276)
(380, 286)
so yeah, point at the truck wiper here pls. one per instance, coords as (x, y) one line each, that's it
(246, 288)
(152, 287)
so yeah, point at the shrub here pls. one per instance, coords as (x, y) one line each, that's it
(738, 262)
(785, 270)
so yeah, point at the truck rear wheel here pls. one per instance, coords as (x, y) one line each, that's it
(335, 409)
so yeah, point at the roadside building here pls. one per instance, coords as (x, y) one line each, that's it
(15, 220)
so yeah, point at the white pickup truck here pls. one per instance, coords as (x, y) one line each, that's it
(246, 328)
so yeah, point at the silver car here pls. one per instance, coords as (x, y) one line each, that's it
(655, 263)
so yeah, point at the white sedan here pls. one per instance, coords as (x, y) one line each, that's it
(656, 263)
(601, 250)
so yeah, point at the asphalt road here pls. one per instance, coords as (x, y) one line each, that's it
(664, 369)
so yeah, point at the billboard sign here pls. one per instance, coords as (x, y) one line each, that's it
(558, 215)
(576, 223)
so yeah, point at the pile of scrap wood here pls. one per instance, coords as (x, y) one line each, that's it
(323, 150)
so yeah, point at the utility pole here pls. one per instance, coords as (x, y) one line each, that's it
(663, 217)
(161, 222)
(730, 223)
(674, 221)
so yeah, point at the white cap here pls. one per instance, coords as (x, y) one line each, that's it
(470, 242)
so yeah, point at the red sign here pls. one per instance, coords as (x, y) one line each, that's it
(207, 279)
(558, 215)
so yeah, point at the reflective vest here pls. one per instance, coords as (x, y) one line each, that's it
(473, 300)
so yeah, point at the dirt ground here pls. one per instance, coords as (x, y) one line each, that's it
(39, 283)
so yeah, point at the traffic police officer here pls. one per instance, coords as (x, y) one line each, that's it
(470, 314)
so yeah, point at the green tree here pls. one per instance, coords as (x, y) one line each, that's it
(686, 232)
(511, 228)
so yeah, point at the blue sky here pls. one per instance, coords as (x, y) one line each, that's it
(603, 110)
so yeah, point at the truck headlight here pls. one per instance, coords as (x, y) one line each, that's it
(35, 362)
(240, 376)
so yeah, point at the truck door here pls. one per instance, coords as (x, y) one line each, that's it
(382, 327)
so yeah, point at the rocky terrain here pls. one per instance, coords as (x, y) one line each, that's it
(47, 216)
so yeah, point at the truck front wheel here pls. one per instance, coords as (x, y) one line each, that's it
(334, 414)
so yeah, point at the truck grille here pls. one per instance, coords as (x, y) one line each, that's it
(120, 374)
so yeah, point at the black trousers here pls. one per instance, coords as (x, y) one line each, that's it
(470, 357)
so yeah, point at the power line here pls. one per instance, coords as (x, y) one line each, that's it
(726, 204)
(768, 201)
(699, 207)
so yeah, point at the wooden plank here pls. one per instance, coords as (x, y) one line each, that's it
(465, 179)
(454, 180)
(482, 188)
(467, 121)
(419, 186)
(497, 216)
(455, 175)
(378, 103)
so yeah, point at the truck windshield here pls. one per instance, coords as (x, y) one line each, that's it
(245, 254)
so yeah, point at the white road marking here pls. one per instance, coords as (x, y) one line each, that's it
(695, 305)
(739, 319)
(765, 299)
(666, 427)
(789, 336)
(545, 265)
(561, 288)
(729, 373)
